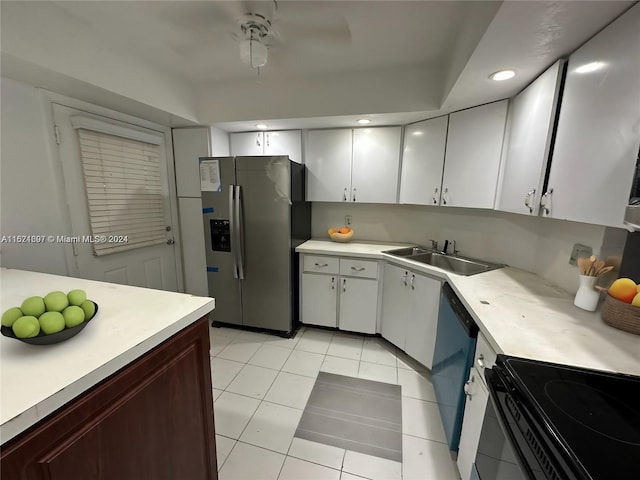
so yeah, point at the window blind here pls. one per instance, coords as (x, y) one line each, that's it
(124, 191)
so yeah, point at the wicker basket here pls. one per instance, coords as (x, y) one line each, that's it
(621, 315)
(341, 237)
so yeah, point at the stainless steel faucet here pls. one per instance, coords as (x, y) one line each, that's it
(434, 244)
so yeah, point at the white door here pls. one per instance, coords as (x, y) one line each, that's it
(422, 318)
(394, 304)
(422, 162)
(285, 142)
(472, 163)
(249, 143)
(328, 161)
(319, 299)
(474, 409)
(376, 163)
(532, 115)
(152, 266)
(358, 305)
(598, 130)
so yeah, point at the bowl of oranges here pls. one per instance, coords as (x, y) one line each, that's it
(342, 234)
(621, 308)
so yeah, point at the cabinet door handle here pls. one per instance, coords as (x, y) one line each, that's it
(545, 201)
(444, 196)
(413, 279)
(333, 283)
(434, 197)
(467, 387)
(344, 284)
(404, 278)
(258, 140)
(354, 195)
(358, 269)
(267, 135)
(321, 264)
(344, 195)
(480, 360)
(527, 199)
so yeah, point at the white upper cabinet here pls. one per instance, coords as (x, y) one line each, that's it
(328, 161)
(422, 161)
(376, 163)
(284, 142)
(472, 162)
(248, 143)
(531, 120)
(359, 165)
(599, 128)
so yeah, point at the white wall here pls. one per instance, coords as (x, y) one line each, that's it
(31, 187)
(540, 245)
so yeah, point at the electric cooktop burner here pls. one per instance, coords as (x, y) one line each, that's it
(596, 410)
(595, 414)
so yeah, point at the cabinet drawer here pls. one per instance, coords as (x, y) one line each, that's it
(321, 264)
(354, 267)
(485, 357)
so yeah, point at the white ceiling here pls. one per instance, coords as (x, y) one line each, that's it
(334, 61)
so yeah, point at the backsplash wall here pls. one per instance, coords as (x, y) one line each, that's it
(540, 245)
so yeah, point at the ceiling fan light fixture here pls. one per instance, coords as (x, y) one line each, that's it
(253, 53)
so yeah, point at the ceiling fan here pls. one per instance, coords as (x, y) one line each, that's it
(263, 25)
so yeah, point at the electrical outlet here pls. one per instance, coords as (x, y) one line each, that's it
(579, 251)
(347, 220)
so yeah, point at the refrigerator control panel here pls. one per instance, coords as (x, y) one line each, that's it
(220, 235)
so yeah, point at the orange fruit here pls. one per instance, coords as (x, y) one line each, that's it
(624, 289)
(344, 230)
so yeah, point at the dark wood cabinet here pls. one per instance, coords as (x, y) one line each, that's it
(151, 420)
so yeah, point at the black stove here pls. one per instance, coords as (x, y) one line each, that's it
(567, 422)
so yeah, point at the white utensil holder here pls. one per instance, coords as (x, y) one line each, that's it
(587, 297)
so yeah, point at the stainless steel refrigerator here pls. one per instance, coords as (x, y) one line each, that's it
(255, 215)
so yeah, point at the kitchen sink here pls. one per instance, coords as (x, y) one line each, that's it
(408, 251)
(454, 264)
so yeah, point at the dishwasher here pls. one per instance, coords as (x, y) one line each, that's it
(453, 357)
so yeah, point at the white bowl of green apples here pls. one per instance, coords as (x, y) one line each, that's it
(54, 318)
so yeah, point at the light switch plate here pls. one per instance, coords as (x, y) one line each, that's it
(578, 251)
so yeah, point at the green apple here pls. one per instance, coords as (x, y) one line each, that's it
(73, 316)
(26, 327)
(51, 322)
(56, 301)
(11, 316)
(33, 306)
(89, 309)
(76, 297)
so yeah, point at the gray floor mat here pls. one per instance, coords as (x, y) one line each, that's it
(354, 414)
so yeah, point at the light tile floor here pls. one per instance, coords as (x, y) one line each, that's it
(261, 386)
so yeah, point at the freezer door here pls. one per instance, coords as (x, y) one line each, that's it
(220, 253)
(266, 211)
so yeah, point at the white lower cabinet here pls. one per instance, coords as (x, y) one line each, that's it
(339, 292)
(410, 303)
(319, 299)
(475, 405)
(358, 305)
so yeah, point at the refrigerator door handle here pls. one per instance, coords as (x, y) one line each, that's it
(232, 229)
(240, 232)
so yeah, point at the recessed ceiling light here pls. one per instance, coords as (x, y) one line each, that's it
(502, 75)
(364, 121)
(261, 126)
(418, 133)
(589, 67)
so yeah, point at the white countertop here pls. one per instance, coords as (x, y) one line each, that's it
(522, 314)
(38, 379)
